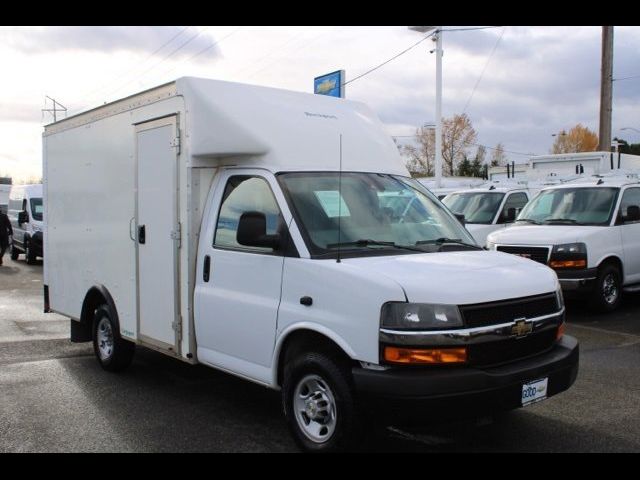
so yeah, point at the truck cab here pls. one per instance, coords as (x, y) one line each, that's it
(25, 211)
(488, 209)
(588, 231)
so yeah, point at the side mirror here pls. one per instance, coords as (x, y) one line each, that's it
(633, 213)
(252, 231)
(509, 216)
(23, 217)
(460, 217)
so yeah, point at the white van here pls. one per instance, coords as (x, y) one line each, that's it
(25, 212)
(489, 208)
(277, 236)
(588, 231)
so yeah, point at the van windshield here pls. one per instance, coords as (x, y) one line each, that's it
(36, 208)
(571, 206)
(477, 207)
(368, 212)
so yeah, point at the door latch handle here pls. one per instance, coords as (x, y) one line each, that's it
(141, 234)
(207, 268)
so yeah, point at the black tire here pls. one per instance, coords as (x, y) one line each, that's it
(608, 289)
(120, 354)
(349, 426)
(29, 255)
(14, 252)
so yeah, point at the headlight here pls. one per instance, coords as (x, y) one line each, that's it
(569, 255)
(420, 316)
(559, 297)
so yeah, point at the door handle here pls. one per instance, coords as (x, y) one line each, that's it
(206, 269)
(141, 234)
(131, 230)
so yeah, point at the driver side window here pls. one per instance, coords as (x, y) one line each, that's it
(516, 201)
(630, 198)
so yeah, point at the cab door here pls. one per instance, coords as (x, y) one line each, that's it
(630, 232)
(238, 287)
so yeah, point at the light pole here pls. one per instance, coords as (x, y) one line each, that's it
(437, 37)
(630, 128)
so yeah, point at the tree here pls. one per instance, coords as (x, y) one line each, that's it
(458, 135)
(579, 139)
(478, 164)
(626, 147)
(498, 157)
(465, 168)
(422, 157)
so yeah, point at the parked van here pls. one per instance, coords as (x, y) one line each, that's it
(5, 188)
(489, 208)
(25, 213)
(255, 230)
(588, 231)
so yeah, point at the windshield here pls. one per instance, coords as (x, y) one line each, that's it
(36, 208)
(374, 212)
(477, 207)
(571, 206)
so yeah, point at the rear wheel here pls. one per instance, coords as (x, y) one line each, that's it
(608, 290)
(319, 404)
(112, 351)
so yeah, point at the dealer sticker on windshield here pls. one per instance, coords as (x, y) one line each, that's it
(535, 391)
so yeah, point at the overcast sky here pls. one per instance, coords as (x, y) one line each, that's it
(538, 81)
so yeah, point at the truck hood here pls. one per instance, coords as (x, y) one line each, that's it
(542, 234)
(461, 277)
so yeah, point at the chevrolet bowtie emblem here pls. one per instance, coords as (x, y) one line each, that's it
(521, 328)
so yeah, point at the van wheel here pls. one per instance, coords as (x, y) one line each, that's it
(14, 253)
(319, 404)
(29, 254)
(608, 289)
(112, 351)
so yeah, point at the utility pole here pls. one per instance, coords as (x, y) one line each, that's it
(438, 158)
(55, 108)
(606, 87)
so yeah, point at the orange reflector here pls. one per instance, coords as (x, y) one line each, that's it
(560, 331)
(568, 263)
(425, 356)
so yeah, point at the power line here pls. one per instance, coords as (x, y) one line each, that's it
(206, 49)
(467, 29)
(391, 59)
(625, 78)
(138, 64)
(173, 52)
(495, 46)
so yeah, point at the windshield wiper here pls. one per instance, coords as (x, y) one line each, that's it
(364, 242)
(568, 220)
(529, 220)
(441, 240)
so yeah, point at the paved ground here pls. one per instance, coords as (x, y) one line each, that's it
(54, 396)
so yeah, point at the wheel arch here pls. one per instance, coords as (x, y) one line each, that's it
(301, 336)
(97, 295)
(613, 260)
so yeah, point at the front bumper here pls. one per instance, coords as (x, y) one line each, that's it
(410, 395)
(577, 281)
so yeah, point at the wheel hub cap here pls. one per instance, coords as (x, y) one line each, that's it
(610, 289)
(315, 408)
(105, 339)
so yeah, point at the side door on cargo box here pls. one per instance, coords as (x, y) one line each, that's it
(629, 223)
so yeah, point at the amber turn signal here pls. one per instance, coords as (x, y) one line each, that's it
(425, 355)
(568, 263)
(560, 332)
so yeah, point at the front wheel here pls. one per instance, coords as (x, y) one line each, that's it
(112, 351)
(319, 404)
(29, 253)
(14, 252)
(608, 290)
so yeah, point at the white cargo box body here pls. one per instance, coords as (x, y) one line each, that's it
(148, 161)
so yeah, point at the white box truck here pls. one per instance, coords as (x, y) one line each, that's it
(277, 236)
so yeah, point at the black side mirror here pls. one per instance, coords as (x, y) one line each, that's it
(252, 231)
(23, 217)
(510, 215)
(460, 217)
(633, 213)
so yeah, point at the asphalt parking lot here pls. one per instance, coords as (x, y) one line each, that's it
(55, 398)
